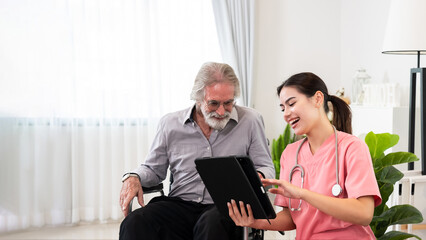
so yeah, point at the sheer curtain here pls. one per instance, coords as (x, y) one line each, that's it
(82, 86)
(235, 27)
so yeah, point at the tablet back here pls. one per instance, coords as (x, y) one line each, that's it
(234, 177)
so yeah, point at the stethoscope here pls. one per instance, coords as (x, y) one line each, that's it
(335, 190)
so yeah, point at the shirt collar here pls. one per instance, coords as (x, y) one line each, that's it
(234, 114)
(188, 115)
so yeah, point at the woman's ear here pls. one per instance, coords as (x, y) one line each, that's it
(319, 99)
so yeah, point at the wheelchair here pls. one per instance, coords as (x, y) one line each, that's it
(248, 233)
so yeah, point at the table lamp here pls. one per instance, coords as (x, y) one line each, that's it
(406, 35)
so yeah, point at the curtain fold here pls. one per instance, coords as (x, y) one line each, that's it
(82, 87)
(235, 27)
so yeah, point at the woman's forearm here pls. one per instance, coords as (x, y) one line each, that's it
(358, 211)
(283, 222)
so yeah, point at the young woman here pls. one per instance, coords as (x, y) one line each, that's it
(327, 186)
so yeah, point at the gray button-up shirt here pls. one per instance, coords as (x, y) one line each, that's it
(179, 141)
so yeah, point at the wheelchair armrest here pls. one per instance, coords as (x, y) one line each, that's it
(157, 188)
(147, 190)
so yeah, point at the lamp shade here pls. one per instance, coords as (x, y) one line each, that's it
(406, 28)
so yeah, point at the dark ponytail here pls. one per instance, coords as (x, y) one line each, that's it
(342, 116)
(308, 84)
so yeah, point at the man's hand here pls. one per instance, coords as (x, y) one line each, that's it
(131, 187)
(240, 216)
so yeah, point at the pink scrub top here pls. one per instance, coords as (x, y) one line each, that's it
(356, 176)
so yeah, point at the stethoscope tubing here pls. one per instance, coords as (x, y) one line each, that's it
(336, 189)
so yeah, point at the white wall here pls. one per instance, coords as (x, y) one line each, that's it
(363, 25)
(332, 38)
(291, 37)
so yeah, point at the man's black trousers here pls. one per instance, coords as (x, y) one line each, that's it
(169, 218)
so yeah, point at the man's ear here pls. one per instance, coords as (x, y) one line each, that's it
(197, 107)
(198, 104)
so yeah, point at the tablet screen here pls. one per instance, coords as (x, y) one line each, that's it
(234, 177)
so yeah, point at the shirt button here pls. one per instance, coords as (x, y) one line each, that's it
(208, 148)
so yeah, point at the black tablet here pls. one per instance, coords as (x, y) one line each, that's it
(234, 177)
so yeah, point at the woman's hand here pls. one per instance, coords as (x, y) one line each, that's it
(240, 218)
(285, 188)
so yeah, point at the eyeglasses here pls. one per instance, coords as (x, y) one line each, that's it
(213, 105)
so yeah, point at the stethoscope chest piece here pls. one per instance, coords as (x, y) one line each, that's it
(336, 190)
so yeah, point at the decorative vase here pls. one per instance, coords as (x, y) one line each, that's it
(360, 78)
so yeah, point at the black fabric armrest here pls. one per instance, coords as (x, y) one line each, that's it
(157, 188)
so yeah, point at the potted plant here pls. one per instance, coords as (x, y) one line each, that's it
(387, 175)
(278, 147)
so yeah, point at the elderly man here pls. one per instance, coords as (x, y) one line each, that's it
(213, 126)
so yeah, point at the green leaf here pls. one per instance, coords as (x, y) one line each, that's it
(277, 169)
(280, 144)
(273, 146)
(380, 209)
(400, 214)
(395, 158)
(403, 214)
(278, 147)
(380, 228)
(286, 136)
(396, 235)
(386, 190)
(389, 174)
(379, 143)
(275, 158)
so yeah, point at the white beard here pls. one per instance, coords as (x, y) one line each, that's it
(213, 122)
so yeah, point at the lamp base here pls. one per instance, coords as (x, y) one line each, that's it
(412, 114)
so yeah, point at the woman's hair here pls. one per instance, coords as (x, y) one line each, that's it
(210, 73)
(308, 84)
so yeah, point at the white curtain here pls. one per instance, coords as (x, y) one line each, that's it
(235, 27)
(82, 86)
